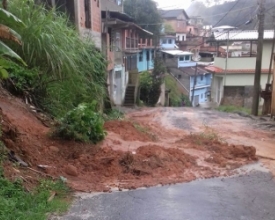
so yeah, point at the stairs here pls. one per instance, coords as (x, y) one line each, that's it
(129, 99)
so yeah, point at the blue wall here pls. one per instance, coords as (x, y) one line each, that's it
(202, 86)
(164, 42)
(144, 64)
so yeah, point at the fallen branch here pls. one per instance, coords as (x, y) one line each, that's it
(43, 174)
(267, 158)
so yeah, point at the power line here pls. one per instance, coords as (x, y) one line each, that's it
(227, 13)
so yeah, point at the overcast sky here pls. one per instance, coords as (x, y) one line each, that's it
(170, 4)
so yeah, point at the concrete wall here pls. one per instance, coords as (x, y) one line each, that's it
(201, 94)
(246, 62)
(145, 64)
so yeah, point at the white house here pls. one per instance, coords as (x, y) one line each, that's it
(234, 85)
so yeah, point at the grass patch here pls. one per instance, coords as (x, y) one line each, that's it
(231, 108)
(175, 95)
(16, 203)
(208, 135)
(145, 130)
(114, 114)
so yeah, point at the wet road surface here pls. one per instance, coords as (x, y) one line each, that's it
(248, 197)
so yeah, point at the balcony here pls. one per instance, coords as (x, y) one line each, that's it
(145, 43)
(131, 44)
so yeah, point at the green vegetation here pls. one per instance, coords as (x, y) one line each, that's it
(207, 135)
(83, 123)
(231, 108)
(16, 203)
(150, 83)
(66, 70)
(113, 114)
(8, 21)
(176, 97)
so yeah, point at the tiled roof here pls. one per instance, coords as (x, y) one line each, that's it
(243, 35)
(218, 70)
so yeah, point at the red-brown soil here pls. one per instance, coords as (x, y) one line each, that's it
(163, 159)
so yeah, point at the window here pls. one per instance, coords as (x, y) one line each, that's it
(181, 58)
(201, 77)
(164, 41)
(187, 58)
(140, 56)
(118, 2)
(87, 8)
(169, 41)
(153, 54)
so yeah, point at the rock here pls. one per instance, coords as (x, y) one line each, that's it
(71, 170)
(54, 149)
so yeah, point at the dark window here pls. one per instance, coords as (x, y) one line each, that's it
(170, 41)
(153, 54)
(179, 76)
(87, 8)
(201, 77)
(164, 41)
(110, 39)
(140, 56)
(181, 58)
(147, 55)
(66, 7)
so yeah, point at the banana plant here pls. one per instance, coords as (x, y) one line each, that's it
(8, 20)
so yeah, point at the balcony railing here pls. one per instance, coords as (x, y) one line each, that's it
(131, 43)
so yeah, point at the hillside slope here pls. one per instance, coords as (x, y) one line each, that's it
(243, 11)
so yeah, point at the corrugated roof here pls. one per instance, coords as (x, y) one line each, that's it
(243, 35)
(174, 13)
(177, 52)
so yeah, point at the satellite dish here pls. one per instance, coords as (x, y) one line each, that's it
(196, 58)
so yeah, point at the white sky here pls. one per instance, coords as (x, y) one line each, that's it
(171, 4)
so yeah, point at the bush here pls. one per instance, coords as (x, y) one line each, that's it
(149, 88)
(82, 124)
(71, 69)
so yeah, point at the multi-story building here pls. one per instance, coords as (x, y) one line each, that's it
(233, 78)
(122, 47)
(86, 15)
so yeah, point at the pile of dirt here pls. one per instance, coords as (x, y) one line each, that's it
(127, 131)
(102, 167)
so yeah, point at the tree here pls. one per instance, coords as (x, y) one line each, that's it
(168, 29)
(145, 14)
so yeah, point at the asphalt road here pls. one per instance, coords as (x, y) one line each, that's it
(248, 197)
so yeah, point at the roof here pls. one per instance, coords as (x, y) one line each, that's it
(218, 70)
(191, 71)
(243, 35)
(173, 13)
(177, 52)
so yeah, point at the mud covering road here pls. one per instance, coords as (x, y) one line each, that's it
(245, 192)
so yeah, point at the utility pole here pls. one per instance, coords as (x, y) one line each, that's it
(272, 49)
(194, 85)
(258, 69)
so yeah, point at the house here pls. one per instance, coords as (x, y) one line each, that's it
(86, 15)
(200, 83)
(178, 20)
(146, 54)
(234, 85)
(121, 47)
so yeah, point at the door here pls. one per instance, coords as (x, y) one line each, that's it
(118, 87)
(196, 100)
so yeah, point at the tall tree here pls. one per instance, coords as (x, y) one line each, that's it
(145, 13)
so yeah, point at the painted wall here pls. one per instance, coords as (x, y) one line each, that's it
(203, 85)
(144, 64)
(246, 62)
(167, 43)
(118, 85)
